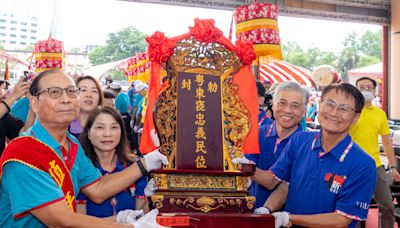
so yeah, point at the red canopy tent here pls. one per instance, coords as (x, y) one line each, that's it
(374, 71)
(281, 71)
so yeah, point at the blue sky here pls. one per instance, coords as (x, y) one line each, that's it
(89, 21)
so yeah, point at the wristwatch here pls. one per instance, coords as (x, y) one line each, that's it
(290, 223)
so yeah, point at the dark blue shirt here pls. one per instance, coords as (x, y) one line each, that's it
(262, 118)
(124, 200)
(341, 180)
(269, 153)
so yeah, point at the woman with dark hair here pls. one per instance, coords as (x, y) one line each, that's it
(91, 97)
(105, 143)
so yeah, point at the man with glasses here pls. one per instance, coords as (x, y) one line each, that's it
(43, 171)
(289, 105)
(331, 179)
(365, 133)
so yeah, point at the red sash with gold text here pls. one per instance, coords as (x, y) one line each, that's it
(35, 154)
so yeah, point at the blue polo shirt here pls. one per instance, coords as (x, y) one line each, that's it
(20, 108)
(341, 180)
(123, 200)
(122, 103)
(24, 188)
(262, 118)
(138, 100)
(269, 153)
(131, 95)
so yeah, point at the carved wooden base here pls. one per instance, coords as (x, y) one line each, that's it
(169, 202)
(202, 192)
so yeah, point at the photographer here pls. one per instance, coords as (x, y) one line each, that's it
(263, 117)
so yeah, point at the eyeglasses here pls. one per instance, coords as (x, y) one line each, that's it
(329, 105)
(56, 92)
(367, 88)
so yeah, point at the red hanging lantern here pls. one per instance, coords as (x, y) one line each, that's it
(49, 54)
(258, 23)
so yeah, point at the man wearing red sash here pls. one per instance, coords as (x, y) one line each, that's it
(42, 171)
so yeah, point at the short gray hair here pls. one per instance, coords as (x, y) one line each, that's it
(291, 85)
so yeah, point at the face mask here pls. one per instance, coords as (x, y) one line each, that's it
(368, 95)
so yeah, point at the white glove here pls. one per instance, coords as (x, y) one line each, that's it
(262, 211)
(154, 137)
(281, 218)
(154, 160)
(148, 220)
(132, 123)
(140, 131)
(249, 182)
(128, 216)
(150, 188)
(135, 128)
(242, 160)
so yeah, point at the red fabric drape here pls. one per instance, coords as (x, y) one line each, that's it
(247, 90)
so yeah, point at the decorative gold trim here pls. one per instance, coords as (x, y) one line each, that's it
(208, 203)
(193, 56)
(187, 181)
(250, 200)
(202, 193)
(165, 118)
(241, 183)
(237, 125)
(161, 181)
(157, 201)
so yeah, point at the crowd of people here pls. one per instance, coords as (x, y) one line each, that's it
(303, 173)
(77, 161)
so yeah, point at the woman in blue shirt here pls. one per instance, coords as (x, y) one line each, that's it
(105, 143)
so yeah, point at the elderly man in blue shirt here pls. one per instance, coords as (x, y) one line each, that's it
(331, 179)
(289, 104)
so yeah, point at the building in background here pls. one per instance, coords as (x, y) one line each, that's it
(17, 32)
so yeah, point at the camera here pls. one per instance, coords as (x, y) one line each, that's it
(268, 104)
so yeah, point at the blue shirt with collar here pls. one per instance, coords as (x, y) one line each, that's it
(124, 200)
(263, 119)
(324, 182)
(138, 100)
(131, 95)
(20, 108)
(269, 153)
(24, 188)
(122, 103)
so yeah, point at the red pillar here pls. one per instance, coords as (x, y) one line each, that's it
(385, 67)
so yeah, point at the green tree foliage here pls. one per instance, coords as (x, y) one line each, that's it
(295, 54)
(120, 45)
(309, 58)
(371, 44)
(350, 54)
(367, 60)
